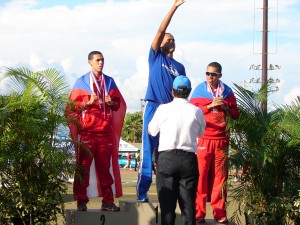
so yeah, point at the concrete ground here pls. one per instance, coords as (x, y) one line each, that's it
(129, 179)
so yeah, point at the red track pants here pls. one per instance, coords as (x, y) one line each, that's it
(99, 148)
(212, 165)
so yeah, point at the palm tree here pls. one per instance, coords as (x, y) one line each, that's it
(32, 169)
(269, 152)
(132, 127)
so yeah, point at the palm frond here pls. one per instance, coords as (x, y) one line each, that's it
(268, 145)
(30, 163)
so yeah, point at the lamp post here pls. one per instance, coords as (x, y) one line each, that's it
(264, 71)
(142, 104)
(247, 83)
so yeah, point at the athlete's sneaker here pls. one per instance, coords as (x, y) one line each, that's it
(200, 220)
(82, 207)
(223, 220)
(143, 198)
(110, 207)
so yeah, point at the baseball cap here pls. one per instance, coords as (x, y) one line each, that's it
(181, 82)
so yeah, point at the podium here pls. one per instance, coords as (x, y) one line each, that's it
(132, 212)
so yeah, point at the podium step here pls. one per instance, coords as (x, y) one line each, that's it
(132, 213)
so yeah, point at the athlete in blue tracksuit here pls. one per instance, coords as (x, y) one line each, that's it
(162, 71)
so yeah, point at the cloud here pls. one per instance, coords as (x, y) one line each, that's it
(61, 36)
(292, 95)
(135, 86)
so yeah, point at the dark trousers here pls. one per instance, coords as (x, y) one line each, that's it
(177, 179)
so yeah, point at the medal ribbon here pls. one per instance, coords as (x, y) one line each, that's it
(99, 89)
(219, 89)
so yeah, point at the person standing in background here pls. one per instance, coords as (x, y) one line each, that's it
(95, 114)
(217, 101)
(128, 157)
(163, 69)
(180, 124)
(137, 160)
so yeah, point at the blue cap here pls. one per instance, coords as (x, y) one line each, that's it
(181, 82)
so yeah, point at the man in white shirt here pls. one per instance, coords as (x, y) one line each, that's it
(180, 124)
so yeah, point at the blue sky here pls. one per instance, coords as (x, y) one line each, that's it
(59, 34)
(69, 3)
(51, 3)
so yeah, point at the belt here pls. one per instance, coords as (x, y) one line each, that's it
(180, 151)
(150, 102)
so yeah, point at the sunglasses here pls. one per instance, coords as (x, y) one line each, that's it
(171, 40)
(214, 74)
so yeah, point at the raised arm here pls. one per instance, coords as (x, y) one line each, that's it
(164, 24)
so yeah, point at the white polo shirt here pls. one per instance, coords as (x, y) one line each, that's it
(179, 123)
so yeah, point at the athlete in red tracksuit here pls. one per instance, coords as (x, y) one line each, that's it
(97, 109)
(217, 101)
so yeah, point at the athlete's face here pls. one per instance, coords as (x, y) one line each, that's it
(168, 43)
(97, 64)
(213, 76)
